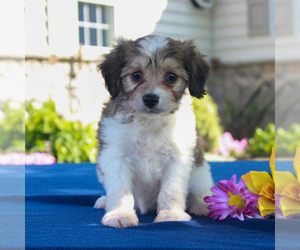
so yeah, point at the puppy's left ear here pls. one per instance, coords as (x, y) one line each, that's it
(112, 65)
(197, 68)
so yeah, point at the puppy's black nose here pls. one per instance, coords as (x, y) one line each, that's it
(151, 100)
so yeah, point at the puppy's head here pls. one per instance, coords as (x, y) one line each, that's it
(150, 74)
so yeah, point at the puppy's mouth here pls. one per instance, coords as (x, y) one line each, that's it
(152, 111)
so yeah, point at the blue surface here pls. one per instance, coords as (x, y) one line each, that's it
(12, 207)
(60, 214)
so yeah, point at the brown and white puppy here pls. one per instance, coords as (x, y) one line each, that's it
(150, 158)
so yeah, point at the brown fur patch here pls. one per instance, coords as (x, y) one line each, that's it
(198, 152)
(109, 110)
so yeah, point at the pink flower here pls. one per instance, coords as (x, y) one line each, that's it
(227, 144)
(21, 159)
(233, 200)
(12, 159)
(39, 159)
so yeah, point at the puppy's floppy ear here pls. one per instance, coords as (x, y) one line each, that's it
(197, 68)
(112, 65)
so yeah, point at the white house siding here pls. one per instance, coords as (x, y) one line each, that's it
(36, 28)
(132, 19)
(231, 43)
(287, 17)
(182, 20)
(12, 29)
(287, 49)
(53, 24)
(12, 84)
(63, 27)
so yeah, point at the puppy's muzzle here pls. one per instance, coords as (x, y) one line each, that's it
(150, 100)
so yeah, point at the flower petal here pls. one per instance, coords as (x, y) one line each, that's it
(272, 163)
(222, 187)
(233, 179)
(283, 178)
(297, 163)
(265, 206)
(218, 206)
(289, 206)
(252, 203)
(241, 186)
(211, 199)
(231, 187)
(248, 180)
(219, 192)
(225, 214)
(240, 215)
(260, 178)
(215, 213)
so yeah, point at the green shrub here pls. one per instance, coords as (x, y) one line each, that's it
(287, 140)
(262, 141)
(68, 141)
(12, 129)
(208, 123)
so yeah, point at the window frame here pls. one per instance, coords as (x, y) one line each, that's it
(294, 24)
(100, 27)
(271, 9)
(296, 17)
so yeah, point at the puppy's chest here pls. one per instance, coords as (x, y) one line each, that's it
(149, 146)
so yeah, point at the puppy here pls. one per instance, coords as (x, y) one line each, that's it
(150, 158)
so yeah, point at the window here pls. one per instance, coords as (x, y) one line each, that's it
(95, 24)
(284, 17)
(287, 17)
(261, 17)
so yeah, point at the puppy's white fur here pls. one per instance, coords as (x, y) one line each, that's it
(149, 158)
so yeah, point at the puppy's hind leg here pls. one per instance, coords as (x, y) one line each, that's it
(100, 203)
(199, 186)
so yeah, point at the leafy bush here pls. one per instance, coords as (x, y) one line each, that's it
(68, 141)
(262, 141)
(287, 140)
(208, 123)
(12, 129)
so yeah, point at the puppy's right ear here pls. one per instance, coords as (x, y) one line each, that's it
(112, 65)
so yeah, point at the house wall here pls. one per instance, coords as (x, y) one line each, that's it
(132, 19)
(242, 82)
(243, 62)
(36, 32)
(231, 42)
(76, 87)
(12, 29)
(245, 94)
(181, 20)
(287, 94)
(287, 20)
(68, 76)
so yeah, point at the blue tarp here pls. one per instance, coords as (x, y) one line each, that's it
(60, 215)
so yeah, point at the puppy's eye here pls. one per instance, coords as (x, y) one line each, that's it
(136, 76)
(171, 78)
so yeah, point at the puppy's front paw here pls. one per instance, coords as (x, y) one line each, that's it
(172, 215)
(120, 219)
(199, 208)
(100, 203)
